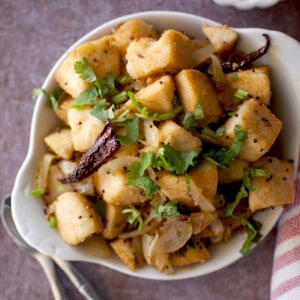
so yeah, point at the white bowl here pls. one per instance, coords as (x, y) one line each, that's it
(28, 210)
(247, 4)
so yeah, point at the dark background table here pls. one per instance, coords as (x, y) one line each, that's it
(33, 35)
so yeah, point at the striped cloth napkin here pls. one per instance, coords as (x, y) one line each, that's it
(285, 282)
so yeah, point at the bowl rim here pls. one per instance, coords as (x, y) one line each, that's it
(20, 183)
(247, 4)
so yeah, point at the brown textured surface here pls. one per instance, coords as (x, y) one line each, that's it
(33, 35)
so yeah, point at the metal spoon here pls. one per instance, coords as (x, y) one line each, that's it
(46, 262)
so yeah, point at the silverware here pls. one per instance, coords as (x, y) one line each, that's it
(47, 263)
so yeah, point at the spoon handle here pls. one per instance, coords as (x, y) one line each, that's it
(49, 269)
(81, 283)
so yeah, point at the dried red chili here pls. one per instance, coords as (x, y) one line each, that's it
(244, 60)
(103, 148)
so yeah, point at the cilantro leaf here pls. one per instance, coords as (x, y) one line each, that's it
(252, 234)
(147, 184)
(223, 156)
(138, 168)
(102, 112)
(87, 97)
(167, 210)
(199, 114)
(189, 122)
(121, 118)
(107, 85)
(213, 134)
(134, 217)
(84, 70)
(175, 161)
(240, 136)
(52, 98)
(132, 131)
(136, 176)
(230, 207)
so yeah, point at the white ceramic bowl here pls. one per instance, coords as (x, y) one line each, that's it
(28, 210)
(247, 4)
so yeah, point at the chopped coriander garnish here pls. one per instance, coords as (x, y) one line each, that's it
(230, 207)
(248, 173)
(84, 70)
(223, 156)
(145, 114)
(167, 210)
(124, 79)
(107, 85)
(136, 175)
(175, 161)
(52, 98)
(37, 192)
(102, 87)
(52, 221)
(134, 217)
(189, 122)
(103, 111)
(120, 97)
(252, 233)
(138, 168)
(199, 114)
(234, 77)
(188, 182)
(132, 131)
(122, 117)
(240, 95)
(213, 134)
(87, 97)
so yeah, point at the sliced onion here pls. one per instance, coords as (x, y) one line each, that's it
(160, 260)
(199, 199)
(200, 220)
(218, 229)
(116, 165)
(203, 53)
(216, 69)
(150, 226)
(41, 175)
(222, 84)
(85, 186)
(170, 237)
(174, 233)
(151, 135)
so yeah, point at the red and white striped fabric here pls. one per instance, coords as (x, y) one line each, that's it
(285, 282)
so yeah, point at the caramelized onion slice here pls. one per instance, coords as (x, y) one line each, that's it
(199, 199)
(200, 220)
(171, 236)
